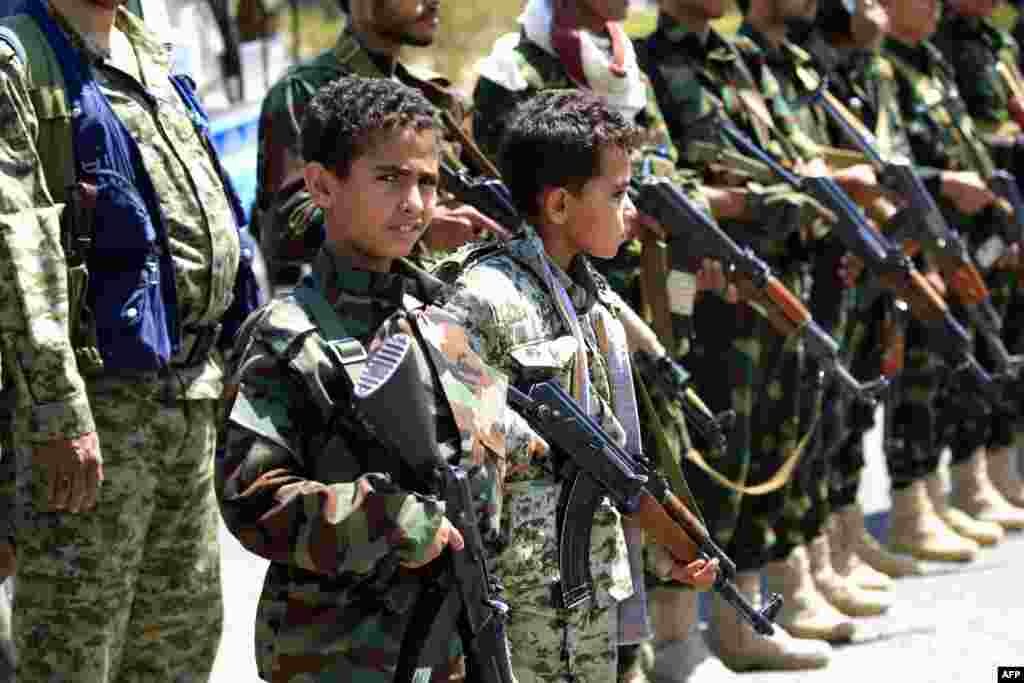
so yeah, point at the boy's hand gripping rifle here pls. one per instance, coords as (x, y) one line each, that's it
(922, 220)
(894, 270)
(464, 596)
(593, 466)
(694, 235)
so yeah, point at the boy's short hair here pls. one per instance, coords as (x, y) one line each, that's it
(345, 116)
(554, 139)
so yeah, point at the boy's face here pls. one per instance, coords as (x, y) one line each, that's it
(609, 10)
(378, 212)
(597, 215)
(913, 21)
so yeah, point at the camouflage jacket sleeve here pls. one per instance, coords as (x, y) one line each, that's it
(295, 492)
(33, 276)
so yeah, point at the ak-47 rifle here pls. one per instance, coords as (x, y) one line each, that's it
(463, 596)
(594, 466)
(894, 270)
(694, 234)
(921, 219)
(490, 196)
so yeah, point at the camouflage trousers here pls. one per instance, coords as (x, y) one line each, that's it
(129, 591)
(740, 362)
(538, 640)
(965, 434)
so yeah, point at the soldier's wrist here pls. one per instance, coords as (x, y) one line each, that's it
(57, 420)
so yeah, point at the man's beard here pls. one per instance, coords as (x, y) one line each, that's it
(401, 37)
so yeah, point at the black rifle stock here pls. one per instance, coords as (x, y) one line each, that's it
(923, 220)
(594, 466)
(695, 235)
(674, 380)
(393, 376)
(894, 270)
(487, 195)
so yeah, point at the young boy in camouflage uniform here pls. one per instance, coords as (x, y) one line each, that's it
(372, 45)
(538, 301)
(303, 481)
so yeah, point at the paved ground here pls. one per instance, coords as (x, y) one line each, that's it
(949, 626)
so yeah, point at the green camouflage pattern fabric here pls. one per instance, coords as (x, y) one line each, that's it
(311, 488)
(974, 48)
(33, 285)
(130, 591)
(514, 324)
(694, 76)
(291, 226)
(493, 102)
(148, 606)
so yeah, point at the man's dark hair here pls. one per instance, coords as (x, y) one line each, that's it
(343, 4)
(345, 117)
(554, 139)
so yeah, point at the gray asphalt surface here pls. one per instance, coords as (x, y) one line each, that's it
(954, 624)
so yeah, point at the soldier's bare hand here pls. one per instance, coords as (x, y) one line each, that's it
(453, 226)
(74, 471)
(637, 224)
(934, 278)
(447, 535)
(701, 574)
(8, 560)
(711, 278)
(860, 182)
(966, 190)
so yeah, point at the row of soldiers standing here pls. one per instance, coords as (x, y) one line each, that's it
(945, 101)
(803, 534)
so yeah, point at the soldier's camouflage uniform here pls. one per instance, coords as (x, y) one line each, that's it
(537, 70)
(693, 76)
(942, 135)
(130, 590)
(975, 48)
(290, 225)
(510, 314)
(307, 485)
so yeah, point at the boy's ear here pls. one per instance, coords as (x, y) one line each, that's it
(555, 204)
(318, 183)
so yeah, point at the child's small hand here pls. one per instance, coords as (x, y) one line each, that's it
(701, 574)
(447, 535)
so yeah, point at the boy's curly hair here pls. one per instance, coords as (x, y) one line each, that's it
(345, 116)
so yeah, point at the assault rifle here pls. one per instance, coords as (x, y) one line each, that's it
(593, 466)
(894, 270)
(695, 235)
(393, 375)
(490, 196)
(922, 220)
(674, 380)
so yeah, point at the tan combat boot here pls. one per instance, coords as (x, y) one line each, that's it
(974, 493)
(805, 612)
(982, 532)
(916, 530)
(742, 649)
(1003, 472)
(848, 563)
(680, 653)
(844, 595)
(851, 518)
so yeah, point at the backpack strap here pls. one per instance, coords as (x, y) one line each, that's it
(348, 353)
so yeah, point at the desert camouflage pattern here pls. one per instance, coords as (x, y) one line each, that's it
(513, 323)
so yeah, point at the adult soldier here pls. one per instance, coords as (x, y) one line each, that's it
(371, 45)
(985, 62)
(942, 135)
(119, 582)
(697, 73)
(846, 48)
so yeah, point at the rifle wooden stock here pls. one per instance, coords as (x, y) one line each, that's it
(776, 303)
(662, 526)
(653, 290)
(925, 303)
